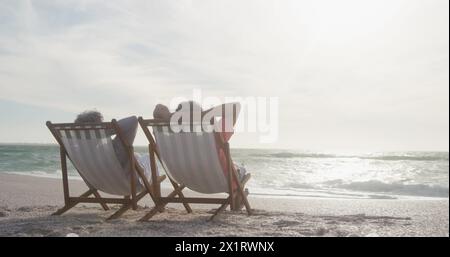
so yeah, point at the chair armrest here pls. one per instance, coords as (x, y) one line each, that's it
(161, 178)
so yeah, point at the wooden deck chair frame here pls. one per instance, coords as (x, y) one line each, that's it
(128, 201)
(161, 202)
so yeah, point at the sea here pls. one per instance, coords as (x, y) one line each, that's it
(291, 173)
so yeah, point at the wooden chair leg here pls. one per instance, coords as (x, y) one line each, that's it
(242, 192)
(97, 195)
(126, 207)
(181, 195)
(148, 187)
(71, 205)
(240, 201)
(63, 209)
(160, 204)
(185, 204)
(133, 185)
(150, 214)
(245, 200)
(220, 209)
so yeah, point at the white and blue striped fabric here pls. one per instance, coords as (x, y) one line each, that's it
(92, 153)
(191, 159)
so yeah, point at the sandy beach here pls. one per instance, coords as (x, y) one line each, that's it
(26, 203)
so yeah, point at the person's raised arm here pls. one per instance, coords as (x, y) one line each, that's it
(228, 111)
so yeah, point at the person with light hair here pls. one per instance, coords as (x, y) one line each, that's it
(128, 127)
(223, 127)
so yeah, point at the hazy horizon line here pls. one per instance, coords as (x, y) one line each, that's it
(253, 148)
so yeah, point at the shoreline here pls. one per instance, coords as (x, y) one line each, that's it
(275, 194)
(27, 202)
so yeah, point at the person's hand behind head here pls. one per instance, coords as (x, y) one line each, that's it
(191, 109)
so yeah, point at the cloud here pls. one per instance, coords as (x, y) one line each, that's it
(353, 61)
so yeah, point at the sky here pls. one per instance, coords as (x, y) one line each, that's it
(350, 75)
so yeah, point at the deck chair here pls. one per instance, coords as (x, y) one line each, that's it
(89, 147)
(190, 160)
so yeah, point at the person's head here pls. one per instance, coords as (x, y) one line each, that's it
(187, 106)
(193, 109)
(161, 112)
(89, 117)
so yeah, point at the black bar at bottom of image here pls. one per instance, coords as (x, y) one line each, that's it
(231, 246)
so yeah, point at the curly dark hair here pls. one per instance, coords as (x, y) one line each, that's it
(91, 116)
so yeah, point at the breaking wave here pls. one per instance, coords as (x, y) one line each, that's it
(395, 188)
(428, 157)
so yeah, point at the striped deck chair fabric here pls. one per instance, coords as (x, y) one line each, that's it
(93, 155)
(188, 153)
(90, 148)
(191, 159)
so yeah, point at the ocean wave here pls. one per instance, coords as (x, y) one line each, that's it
(405, 158)
(294, 155)
(374, 186)
(299, 172)
(437, 157)
(43, 174)
(302, 190)
(299, 185)
(395, 188)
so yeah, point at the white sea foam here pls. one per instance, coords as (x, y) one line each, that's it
(292, 173)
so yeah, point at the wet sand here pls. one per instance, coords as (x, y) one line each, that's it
(26, 204)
